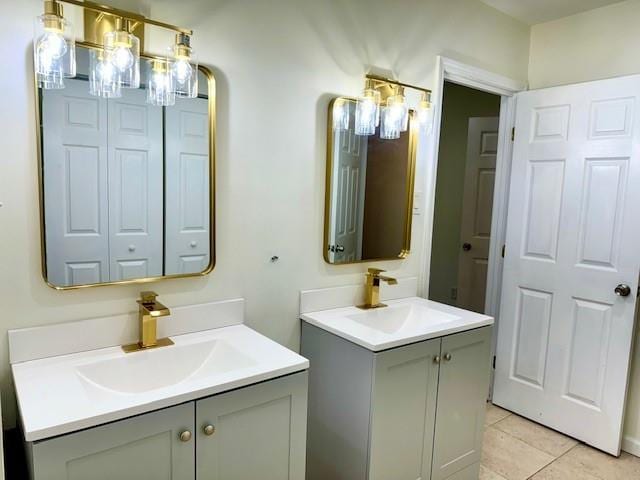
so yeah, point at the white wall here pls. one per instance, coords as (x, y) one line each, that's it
(597, 44)
(277, 64)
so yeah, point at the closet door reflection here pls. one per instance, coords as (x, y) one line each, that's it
(135, 187)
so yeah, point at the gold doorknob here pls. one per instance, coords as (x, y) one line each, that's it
(185, 436)
(209, 430)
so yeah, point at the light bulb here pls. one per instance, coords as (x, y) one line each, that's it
(182, 70)
(160, 86)
(51, 46)
(123, 58)
(425, 113)
(367, 111)
(104, 76)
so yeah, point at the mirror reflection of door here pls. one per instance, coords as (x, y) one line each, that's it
(348, 197)
(464, 197)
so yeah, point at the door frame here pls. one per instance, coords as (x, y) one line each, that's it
(467, 75)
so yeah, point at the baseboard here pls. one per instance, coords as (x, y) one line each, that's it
(631, 445)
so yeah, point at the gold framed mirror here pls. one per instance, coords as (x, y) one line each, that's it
(127, 189)
(369, 191)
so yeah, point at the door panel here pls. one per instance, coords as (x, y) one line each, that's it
(565, 337)
(75, 189)
(187, 181)
(462, 397)
(348, 198)
(143, 447)
(475, 231)
(135, 187)
(260, 432)
(403, 412)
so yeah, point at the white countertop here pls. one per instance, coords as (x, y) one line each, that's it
(404, 321)
(62, 394)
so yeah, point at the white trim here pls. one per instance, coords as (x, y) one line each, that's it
(631, 445)
(474, 77)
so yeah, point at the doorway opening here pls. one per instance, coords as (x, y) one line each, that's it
(463, 209)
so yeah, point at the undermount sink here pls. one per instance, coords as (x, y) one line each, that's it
(396, 317)
(153, 369)
(403, 321)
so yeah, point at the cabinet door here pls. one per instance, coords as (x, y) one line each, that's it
(403, 411)
(143, 447)
(258, 432)
(462, 395)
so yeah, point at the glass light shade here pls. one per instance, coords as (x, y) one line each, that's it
(104, 76)
(160, 87)
(123, 50)
(367, 112)
(54, 49)
(425, 115)
(184, 68)
(340, 114)
(395, 118)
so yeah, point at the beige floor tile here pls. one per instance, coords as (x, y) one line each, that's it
(486, 474)
(510, 457)
(593, 464)
(494, 414)
(560, 470)
(542, 438)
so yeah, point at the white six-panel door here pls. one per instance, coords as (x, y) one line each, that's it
(187, 248)
(565, 337)
(135, 186)
(477, 207)
(75, 185)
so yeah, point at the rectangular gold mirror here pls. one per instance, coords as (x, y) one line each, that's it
(126, 188)
(369, 192)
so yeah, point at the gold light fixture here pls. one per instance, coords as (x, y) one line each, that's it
(114, 59)
(383, 104)
(54, 49)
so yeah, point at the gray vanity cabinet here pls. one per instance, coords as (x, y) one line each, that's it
(257, 432)
(143, 447)
(409, 413)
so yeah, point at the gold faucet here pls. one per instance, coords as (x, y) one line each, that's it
(148, 312)
(372, 288)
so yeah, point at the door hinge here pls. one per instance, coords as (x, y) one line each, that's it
(513, 134)
(504, 247)
(494, 362)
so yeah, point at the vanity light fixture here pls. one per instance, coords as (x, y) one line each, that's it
(383, 104)
(54, 48)
(160, 87)
(123, 50)
(184, 68)
(114, 61)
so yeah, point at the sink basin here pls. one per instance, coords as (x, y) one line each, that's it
(149, 370)
(394, 318)
(402, 322)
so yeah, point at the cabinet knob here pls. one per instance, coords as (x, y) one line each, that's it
(132, 248)
(436, 359)
(193, 244)
(185, 436)
(447, 357)
(209, 430)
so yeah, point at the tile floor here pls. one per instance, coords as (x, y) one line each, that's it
(517, 449)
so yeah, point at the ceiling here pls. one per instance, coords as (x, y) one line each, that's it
(540, 11)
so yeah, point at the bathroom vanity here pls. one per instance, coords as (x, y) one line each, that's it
(397, 392)
(222, 403)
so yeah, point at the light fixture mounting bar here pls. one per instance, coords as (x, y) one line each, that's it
(125, 14)
(377, 78)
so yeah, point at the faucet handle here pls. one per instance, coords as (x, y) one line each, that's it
(147, 297)
(374, 272)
